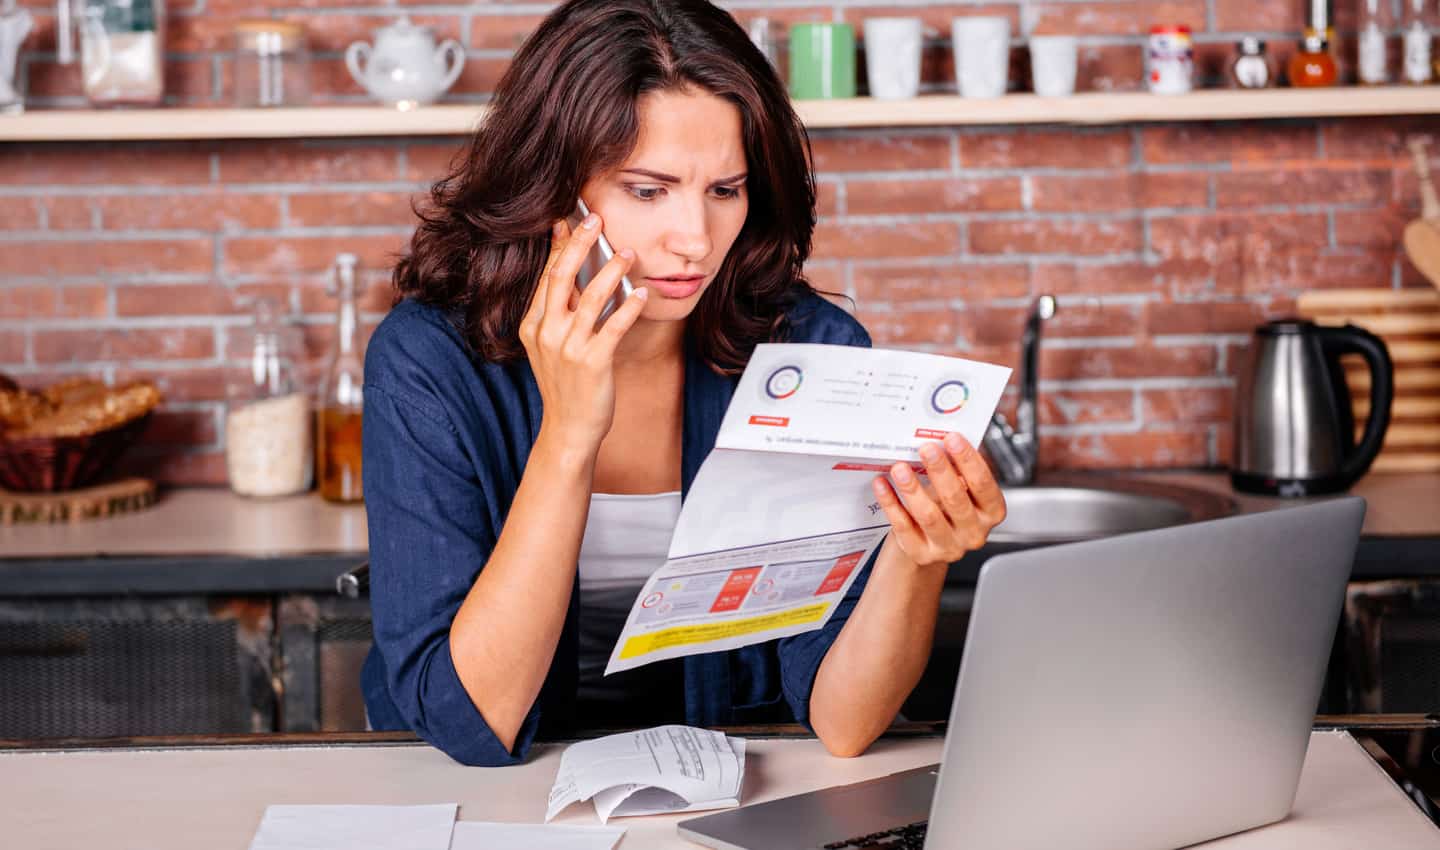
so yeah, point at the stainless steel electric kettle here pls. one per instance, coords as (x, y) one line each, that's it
(1294, 431)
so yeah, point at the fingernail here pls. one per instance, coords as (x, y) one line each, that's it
(627, 253)
(953, 442)
(642, 293)
(591, 222)
(929, 452)
(903, 474)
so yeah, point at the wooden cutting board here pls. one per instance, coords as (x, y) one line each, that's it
(104, 500)
(1409, 322)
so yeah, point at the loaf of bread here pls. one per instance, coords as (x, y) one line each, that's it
(75, 407)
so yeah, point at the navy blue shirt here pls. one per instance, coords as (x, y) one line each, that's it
(446, 441)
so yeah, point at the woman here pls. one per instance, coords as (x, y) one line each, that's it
(507, 545)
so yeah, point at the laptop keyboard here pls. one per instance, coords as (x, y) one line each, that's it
(910, 837)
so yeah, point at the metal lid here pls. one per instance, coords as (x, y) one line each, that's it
(1251, 46)
(268, 36)
(403, 26)
(1286, 327)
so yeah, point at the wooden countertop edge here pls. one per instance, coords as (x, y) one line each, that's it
(331, 739)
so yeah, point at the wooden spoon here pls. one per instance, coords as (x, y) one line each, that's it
(1422, 236)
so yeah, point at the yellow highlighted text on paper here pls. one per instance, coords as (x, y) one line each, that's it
(704, 633)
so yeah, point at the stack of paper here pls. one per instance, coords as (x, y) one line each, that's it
(518, 836)
(355, 827)
(652, 771)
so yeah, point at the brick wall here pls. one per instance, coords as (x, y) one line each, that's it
(1165, 243)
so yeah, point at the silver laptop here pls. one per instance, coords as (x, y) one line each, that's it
(1139, 692)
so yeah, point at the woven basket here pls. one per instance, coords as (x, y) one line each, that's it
(53, 464)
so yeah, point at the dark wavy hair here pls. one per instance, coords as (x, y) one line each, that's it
(565, 111)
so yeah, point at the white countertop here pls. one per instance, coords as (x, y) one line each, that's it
(214, 798)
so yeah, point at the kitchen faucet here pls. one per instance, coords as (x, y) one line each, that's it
(1015, 449)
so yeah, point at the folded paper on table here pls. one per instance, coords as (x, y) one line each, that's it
(781, 518)
(651, 771)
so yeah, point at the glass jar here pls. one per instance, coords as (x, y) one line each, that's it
(122, 45)
(1312, 66)
(1251, 70)
(272, 64)
(340, 402)
(763, 33)
(267, 415)
(15, 24)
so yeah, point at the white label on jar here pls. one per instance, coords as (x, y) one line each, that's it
(1417, 54)
(1372, 55)
(267, 446)
(1171, 63)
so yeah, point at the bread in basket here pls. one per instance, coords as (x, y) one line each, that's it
(69, 434)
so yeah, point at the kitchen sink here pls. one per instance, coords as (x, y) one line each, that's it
(1060, 507)
(1082, 507)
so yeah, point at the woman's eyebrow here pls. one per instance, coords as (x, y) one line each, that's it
(670, 178)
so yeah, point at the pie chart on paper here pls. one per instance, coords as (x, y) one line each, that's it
(950, 397)
(784, 382)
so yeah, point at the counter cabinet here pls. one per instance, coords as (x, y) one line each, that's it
(95, 666)
(165, 646)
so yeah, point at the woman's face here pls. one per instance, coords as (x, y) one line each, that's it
(679, 200)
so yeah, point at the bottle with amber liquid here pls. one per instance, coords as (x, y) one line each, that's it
(1312, 65)
(337, 431)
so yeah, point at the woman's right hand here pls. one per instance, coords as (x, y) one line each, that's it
(573, 362)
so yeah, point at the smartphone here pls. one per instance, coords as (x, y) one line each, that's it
(593, 265)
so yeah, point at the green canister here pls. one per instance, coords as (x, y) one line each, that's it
(822, 61)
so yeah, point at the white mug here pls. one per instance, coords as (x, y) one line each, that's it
(982, 55)
(892, 57)
(1052, 63)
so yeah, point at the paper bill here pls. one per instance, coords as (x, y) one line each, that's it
(781, 517)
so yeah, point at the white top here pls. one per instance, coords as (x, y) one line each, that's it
(626, 538)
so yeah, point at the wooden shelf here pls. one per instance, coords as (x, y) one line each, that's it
(1124, 107)
(934, 111)
(97, 125)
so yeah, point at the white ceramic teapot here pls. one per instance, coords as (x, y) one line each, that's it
(405, 67)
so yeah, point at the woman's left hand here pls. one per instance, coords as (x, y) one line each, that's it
(937, 525)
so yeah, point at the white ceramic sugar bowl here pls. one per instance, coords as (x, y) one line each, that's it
(406, 67)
